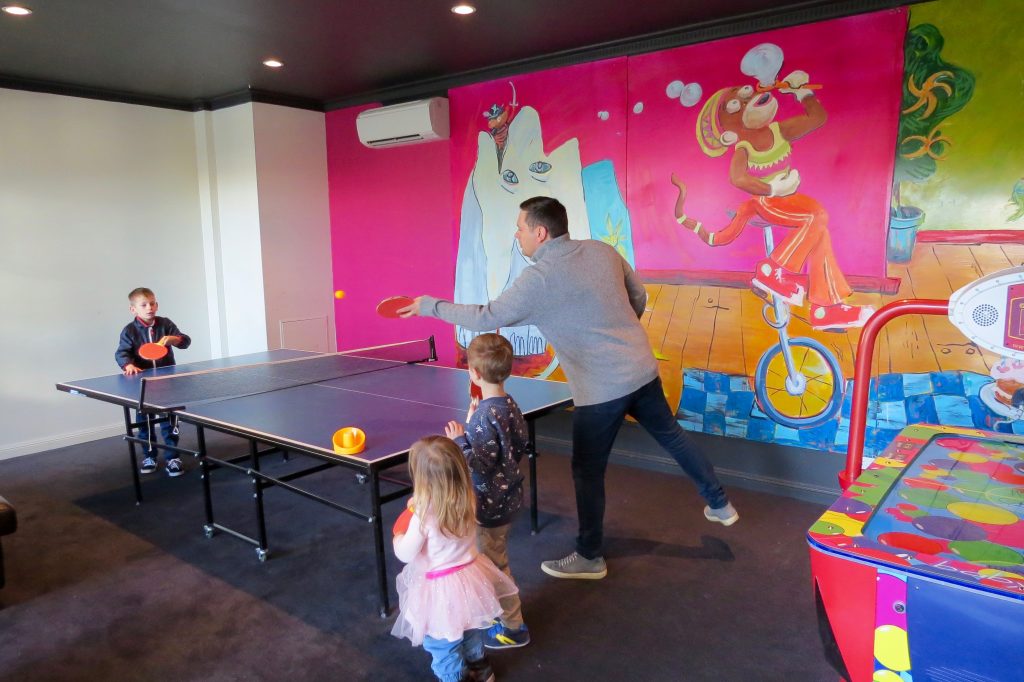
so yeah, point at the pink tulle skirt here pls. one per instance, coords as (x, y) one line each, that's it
(446, 606)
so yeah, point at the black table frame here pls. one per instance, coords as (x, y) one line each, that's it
(366, 472)
(249, 465)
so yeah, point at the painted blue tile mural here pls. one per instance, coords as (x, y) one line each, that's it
(717, 403)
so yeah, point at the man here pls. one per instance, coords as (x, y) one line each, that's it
(587, 301)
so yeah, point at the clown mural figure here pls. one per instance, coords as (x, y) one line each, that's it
(742, 119)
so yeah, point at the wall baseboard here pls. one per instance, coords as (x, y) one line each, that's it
(30, 447)
(818, 489)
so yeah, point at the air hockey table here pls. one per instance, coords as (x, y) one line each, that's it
(918, 568)
(919, 565)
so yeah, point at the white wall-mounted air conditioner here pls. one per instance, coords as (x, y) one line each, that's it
(408, 123)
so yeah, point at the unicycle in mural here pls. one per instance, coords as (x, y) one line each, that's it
(798, 382)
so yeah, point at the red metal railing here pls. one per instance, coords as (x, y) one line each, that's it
(862, 374)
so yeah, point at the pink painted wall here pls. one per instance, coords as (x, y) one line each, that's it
(391, 234)
(844, 165)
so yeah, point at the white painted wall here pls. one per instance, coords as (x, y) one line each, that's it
(229, 157)
(223, 214)
(96, 198)
(295, 231)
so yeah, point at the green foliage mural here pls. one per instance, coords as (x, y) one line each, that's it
(933, 90)
(975, 184)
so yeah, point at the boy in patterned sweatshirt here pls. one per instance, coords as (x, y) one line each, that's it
(494, 440)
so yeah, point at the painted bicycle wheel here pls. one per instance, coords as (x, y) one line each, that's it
(821, 395)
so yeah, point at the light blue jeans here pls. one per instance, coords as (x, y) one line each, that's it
(449, 657)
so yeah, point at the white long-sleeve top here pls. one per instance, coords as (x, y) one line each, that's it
(436, 550)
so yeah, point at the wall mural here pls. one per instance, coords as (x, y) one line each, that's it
(974, 187)
(751, 182)
(557, 133)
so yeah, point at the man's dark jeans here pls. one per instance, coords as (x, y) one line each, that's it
(594, 428)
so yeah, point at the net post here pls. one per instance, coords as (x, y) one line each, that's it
(142, 393)
(433, 349)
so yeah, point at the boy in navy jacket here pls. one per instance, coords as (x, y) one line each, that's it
(148, 328)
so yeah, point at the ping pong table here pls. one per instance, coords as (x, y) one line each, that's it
(292, 402)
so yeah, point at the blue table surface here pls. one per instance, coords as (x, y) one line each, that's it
(393, 407)
(122, 389)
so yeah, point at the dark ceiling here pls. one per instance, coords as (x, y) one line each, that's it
(197, 53)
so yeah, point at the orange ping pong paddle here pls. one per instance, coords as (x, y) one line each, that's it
(152, 351)
(389, 307)
(401, 526)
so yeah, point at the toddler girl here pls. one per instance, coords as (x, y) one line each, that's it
(448, 593)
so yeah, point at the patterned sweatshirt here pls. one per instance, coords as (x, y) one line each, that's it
(496, 439)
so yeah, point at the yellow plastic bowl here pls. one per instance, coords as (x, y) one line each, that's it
(349, 441)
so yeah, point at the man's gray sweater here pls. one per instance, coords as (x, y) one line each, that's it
(587, 301)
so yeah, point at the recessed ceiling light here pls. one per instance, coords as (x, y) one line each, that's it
(17, 11)
(463, 9)
(273, 63)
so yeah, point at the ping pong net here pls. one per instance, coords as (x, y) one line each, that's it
(174, 391)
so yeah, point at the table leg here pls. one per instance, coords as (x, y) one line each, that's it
(257, 493)
(533, 476)
(378, 542)
(129, 430)
(204, 473)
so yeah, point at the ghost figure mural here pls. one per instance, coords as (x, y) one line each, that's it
(511, 166)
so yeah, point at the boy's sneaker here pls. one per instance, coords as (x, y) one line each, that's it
(576, 566)
(500, 637)
(726, 516)
(148, 466)
(773, 280)
(478, 671)
(174, 467)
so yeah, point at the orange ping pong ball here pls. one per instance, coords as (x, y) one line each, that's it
(339, 294)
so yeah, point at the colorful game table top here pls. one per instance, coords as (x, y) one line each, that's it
(940, 501)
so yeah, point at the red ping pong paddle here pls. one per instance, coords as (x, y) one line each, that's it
(152, 351)
(401, 526)
(475, 391)
(389, 307)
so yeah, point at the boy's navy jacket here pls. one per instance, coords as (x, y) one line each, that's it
(135, 333)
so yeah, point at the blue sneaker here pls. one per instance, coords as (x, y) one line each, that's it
(148, 466)
(174, 467)
(500, 637)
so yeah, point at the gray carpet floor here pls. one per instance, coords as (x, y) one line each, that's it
(101, 589)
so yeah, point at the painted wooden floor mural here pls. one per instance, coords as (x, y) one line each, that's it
(709, 340)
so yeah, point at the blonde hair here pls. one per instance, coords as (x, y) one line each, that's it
(491, 355)
(139, 292)
(441, 482)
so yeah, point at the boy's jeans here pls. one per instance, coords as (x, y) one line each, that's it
(166, 430)
(594, 428)
(448, 656)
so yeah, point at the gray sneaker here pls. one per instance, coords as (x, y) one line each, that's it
(726, 516)
(577, 567)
